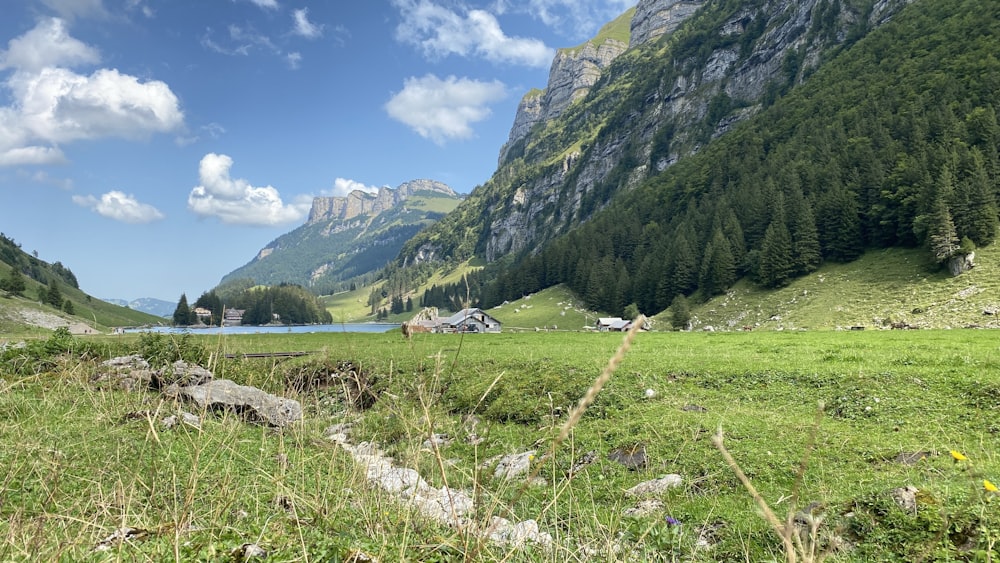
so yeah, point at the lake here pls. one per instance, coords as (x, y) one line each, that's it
(342, 327)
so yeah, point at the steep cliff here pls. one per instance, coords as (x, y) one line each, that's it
(694, 70)
(358, 202)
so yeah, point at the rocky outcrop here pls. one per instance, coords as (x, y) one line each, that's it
(571, 76)
(359, 203)
(654, 18)
(250, 403)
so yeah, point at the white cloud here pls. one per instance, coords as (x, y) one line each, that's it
(303, 26)
(236, 201)
(266, 4)
(444, 109)
(120, 207)
(343, 186)
(52, 105)
(294, 60)
(439, 32)
(48, 44)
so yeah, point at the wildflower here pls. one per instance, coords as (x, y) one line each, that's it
(958, 455)
(990, 487)
(672, 521)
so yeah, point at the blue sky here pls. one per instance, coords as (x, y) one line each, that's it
(153, 146)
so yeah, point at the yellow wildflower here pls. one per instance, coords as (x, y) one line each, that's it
(958, 456)
(990, 487)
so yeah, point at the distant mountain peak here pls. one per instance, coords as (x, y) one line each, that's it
(359, 202)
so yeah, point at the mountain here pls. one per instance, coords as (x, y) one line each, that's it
(150, 305)
(348, 237)
(36, 295)
(739, 139)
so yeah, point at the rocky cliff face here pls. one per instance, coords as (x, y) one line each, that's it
(654, 18)
(756, 46)
(358, 203)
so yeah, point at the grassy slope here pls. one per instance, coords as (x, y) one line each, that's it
(87, 310)
(79, 462)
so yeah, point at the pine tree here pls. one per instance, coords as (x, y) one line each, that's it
(776, 266)
(68, 308)
(975, 208)
(942, 238)
(839, 225)
(182, 314)
(14, 282)
(718, 271)
(680, 313)
(53, 296)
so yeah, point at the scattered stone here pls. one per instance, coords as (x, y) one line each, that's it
(708, 535)
(514, 465)
(587, 459)
(437, 441)
(906, 498)
(694, 408)
(649, 393)
(128, 373)
(249, 551)
(182, 374)
(517, 535)
(251, 403)
(644, 508)
(632, 457)
(121, 535)
(655, 486)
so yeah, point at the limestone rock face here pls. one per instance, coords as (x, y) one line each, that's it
(359, 203)
(572, 74)
(654, 18)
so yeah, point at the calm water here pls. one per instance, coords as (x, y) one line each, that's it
(343, 327)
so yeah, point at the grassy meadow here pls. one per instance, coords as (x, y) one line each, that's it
(82, 459)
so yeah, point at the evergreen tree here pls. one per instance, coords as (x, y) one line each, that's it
(14, 282)
(182, 314)
(975, 207)
(680, 313)
(68, 308)
(409, 304)
(776, 266)
(805, 236)
(53, 296)
(718, 269)
(839, 225)
(942, 237)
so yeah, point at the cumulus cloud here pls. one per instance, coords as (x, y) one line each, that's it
(343, 186)
(294, 60)
(120, 207)
(439, 31)
(52, 104)
(444, 109)
(48, 44)
(235, 201)
(303, 26)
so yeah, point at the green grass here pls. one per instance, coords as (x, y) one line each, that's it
(80, 460)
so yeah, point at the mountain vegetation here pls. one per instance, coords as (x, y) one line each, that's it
(889, 140)
(334, 251)
(31, 288)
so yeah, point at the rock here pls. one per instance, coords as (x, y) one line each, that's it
(633, 457)
(655, 486)
(587, 459)
(644, 508)
(516, 535)
(182, 374)
(249, 402)
(128, 373)
(694, 408)
(912, 458)
(906, 498)
(437, 441)
(514, 465)
(654, 18)
(961, 263)
(249, 551)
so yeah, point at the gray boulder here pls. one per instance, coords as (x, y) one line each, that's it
(249, 402)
